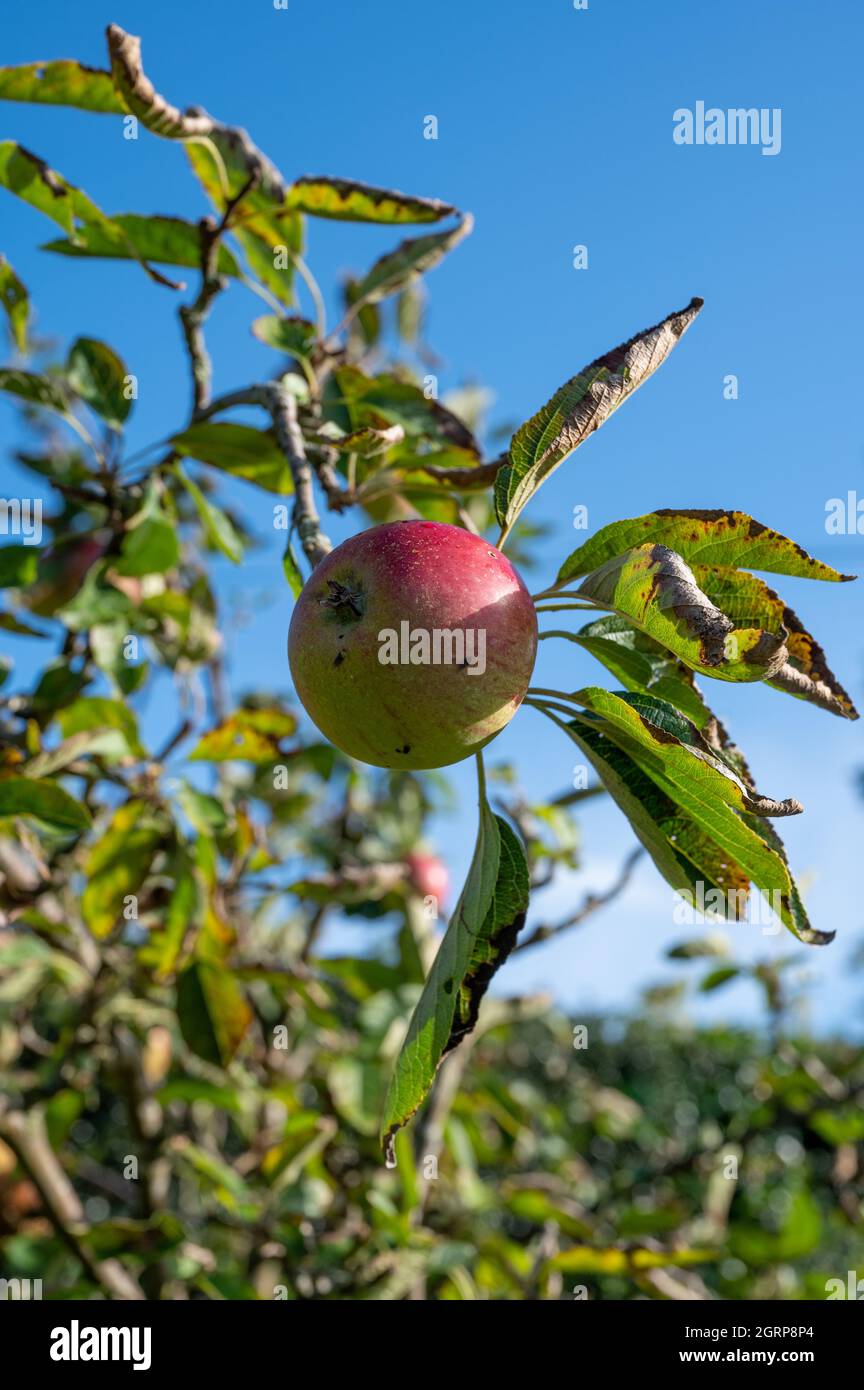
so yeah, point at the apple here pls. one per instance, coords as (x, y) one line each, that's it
(428, 876)
(412, 644)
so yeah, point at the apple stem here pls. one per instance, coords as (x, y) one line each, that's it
(481, 779)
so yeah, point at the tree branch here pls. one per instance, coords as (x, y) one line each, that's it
(592, 903)
(281, 405)
(27, 1137)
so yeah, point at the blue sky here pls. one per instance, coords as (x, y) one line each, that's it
(555, 129)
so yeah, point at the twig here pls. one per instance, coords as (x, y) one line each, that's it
(27, 1136)
(592, 903)
(338, 497)
(176, 738)
(480, 476)
(313, 931)
(580, 794)
(193, 316)
(283, 409)
(281, 405)
(430, 1130)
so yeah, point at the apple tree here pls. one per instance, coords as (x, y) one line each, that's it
(161, 929)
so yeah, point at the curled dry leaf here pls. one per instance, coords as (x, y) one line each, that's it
(656, 590)
(581, 406)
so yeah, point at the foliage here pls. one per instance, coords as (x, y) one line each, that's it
(174, 1041)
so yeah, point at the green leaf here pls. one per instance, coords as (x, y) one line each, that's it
(239, 450)
(385, 399)
(18, 566)
(31, 179)
(217, 526)
(291, 570)
(151, 544)
(581, 406)
(57, 686)
(43, 801)
(294, 336)
(8, 623)
(703, 538)
(479, 938)
(749, 602)
(168, 240)
(97, 712)
(719, 977)
(128, 1237)
(35, 389)
(269, 234)
(800, 1233)
(640, 664)
(99, 377)
(117, 866)
(52, 760)
(655, 726)
(654, 588)
(15, 301)
(207, 815)
(684, 853)
(212, 1011)
(349, 201)
(62, 82)
(410, 259)
(711, 791)
(165, 944)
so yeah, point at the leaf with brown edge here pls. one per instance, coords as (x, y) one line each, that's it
(366, 442)
(482, 932)
(62, 82)
(248, 735)
(410, 259)
(640, 664)
(581, 406)
(32, 180)
(687, 857)
(700, 537)
(734, 844)
(270, 235)
(749, 601)
(348, 200)
(655, 589)
(261, 220)
(667, 723)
